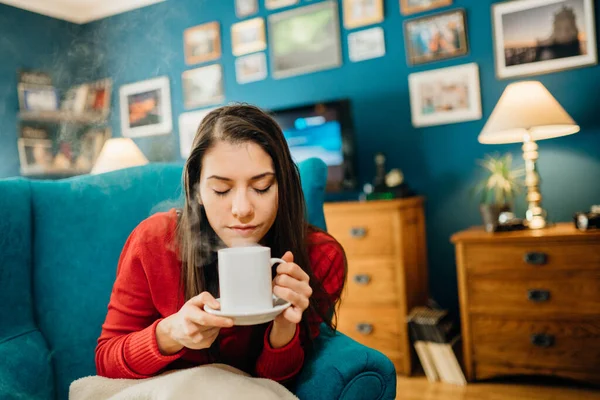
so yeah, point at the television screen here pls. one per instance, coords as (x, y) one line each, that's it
(322, 130)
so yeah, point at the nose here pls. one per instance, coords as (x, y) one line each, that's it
(242, 206)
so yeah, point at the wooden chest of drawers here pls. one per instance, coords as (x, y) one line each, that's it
(387, 272)
(530, 302)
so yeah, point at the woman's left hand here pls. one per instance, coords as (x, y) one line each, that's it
(291, 284)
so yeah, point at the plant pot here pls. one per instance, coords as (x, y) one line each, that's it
(490, 214)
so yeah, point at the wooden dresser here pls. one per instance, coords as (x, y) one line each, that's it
(387, 272)
(530, 302)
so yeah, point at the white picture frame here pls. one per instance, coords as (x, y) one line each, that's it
(275, 4)
(251, 68)
(245, 8)
(366, 44)
(525, 43)
(35, 155)
(203, 86)
(137, 98)
(445, 96)
(188, 126)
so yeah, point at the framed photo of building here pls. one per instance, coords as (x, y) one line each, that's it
(146, 108)
(202, 43)
(533, 37)
(359, 13)
(408, 7)
(436, 37)
(305, 39)
(251, 68)
(248, 37)
(445, 96)
(203, 86)
(245, 8)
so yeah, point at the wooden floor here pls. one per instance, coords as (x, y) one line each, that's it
(418, 388)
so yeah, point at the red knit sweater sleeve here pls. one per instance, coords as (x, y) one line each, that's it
(329, 267)
(127, 347)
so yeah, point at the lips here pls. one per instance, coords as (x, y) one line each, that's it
(244, 230)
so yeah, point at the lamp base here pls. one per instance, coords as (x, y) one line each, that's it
(535, 215)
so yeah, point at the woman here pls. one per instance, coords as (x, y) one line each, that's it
(241, 187)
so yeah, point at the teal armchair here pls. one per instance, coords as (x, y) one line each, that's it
(59, 246)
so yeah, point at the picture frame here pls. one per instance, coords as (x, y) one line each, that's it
(275, 4)
(203, 86)
(202, 43)
(245, 8)
(410, 7)
(251, 68)
(304, 40)
(366, 44)
(445, 96)
(90, 146)
(248, 37)
(189, 122)
(436, 37)
(358, 13)
(35, 155)
(534, 37)
(38, 97)
(146, 108)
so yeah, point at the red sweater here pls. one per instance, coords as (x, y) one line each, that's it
(147, 289)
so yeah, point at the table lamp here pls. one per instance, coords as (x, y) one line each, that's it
(527, 112)
(118, 153)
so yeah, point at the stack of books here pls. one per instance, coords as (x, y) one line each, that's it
(437, 343)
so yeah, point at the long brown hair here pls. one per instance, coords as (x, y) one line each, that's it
(197, 240)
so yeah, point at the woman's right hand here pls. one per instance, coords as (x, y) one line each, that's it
(191, 326)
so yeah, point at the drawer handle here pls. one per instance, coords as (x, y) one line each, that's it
(358, 232)
(362, 279)
(542, 340)
(538, 296)
(536, 258)
(365, 329)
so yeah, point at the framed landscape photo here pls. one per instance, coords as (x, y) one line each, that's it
(146, 108)
(202, 43)
(248, 37)
(533, 37)
(203, 86)
(436, 37)
(359, 13)
(408, 7)
(446, 95)
(305, 39)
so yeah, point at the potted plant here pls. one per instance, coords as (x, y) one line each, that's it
(498, 188)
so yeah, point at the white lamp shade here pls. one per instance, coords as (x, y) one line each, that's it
(526, 107)
(118, 153)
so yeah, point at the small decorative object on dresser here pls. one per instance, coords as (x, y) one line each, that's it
(530, 302)
(385, 246)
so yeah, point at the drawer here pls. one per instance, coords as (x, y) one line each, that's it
(575, 293)
(371, 281)
(376, 327)
(531, 259)
(364, 233)
(519, 342)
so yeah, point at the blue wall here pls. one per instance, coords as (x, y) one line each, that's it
(27, 41)
(440, 162)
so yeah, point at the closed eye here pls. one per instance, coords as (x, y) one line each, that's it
(263, 191)
(221, 193)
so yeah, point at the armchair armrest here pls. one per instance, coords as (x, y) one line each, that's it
(341, 368)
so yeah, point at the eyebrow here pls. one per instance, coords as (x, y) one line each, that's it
(254, 178)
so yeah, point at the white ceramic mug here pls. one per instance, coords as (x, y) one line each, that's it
(245, 279)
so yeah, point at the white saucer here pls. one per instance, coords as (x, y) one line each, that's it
(252, 317)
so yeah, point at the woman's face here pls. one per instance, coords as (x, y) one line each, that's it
(239, 192)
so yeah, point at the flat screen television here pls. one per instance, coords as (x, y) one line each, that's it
(324, 130)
